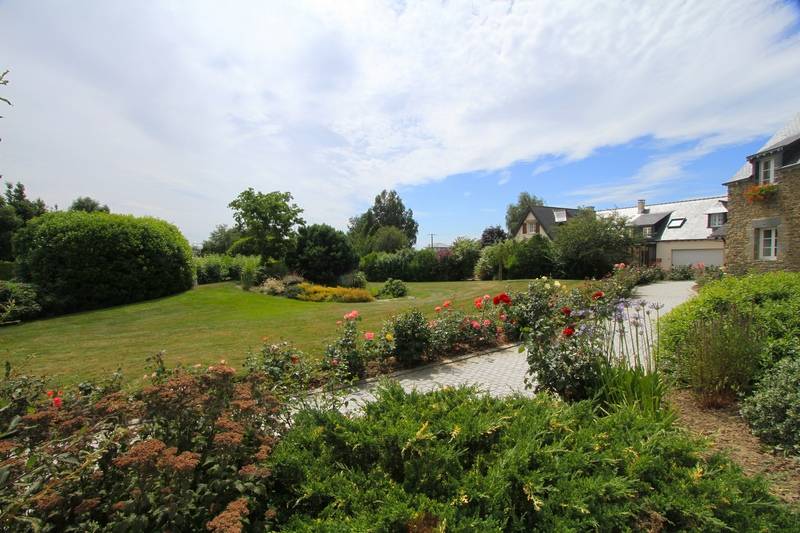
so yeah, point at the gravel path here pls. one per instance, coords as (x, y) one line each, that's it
(502, 372)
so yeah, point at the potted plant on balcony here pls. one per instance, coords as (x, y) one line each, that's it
(760, 193)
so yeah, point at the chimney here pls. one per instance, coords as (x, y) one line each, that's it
(640, 206)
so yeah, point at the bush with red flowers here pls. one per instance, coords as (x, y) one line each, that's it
(175, 455)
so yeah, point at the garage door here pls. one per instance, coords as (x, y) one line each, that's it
(692, 257)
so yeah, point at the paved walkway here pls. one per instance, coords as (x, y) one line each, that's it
(502, 372)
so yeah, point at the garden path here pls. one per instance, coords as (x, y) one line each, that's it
(502, 372)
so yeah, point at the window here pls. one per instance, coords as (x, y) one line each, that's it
(767, 244)
(676, 223)
(716, 220)
(532, 227)
(766, 173)
(560, 215)
(647, 232)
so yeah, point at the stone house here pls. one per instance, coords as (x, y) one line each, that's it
(763, 228)
(677, 233)
(543, 220)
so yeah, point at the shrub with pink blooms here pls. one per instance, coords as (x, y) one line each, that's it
(345, 356)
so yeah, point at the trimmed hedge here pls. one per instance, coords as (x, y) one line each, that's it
(90, 260)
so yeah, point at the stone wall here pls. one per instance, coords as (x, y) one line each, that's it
(743, 219)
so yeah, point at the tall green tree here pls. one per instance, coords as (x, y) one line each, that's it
(388, 239)
(220, 240)
(387, 210)
(25, 208)
(493, 235)
(588, 245)
(269, 218)
(89, 205)
(516, 213)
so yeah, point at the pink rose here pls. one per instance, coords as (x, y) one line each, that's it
(369, 335)
(476, 324)
(487, 322)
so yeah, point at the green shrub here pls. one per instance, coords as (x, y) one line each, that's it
(344, 356)
(393, 288)
(353, 280)
(322, 254)
(273, 269)
(720, 357)
(244, 246)
(87, 260)
(704, 275)
(411, 336)
(773, 299)
(680, 273)
(379, 266)
(462, 461)
(530, 258)
(7, 269)
(424, 266)
(249, 275)
(632, 387)
(24, 295)
(773, 411)
(487, 265)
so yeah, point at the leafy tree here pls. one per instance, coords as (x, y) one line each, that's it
(89, 205)
(387, 210)
(493, 235)
(9, 223)
(269, 218)
(530, 258)
(220, 240)
(25, 208)
(322, 254)
(588, 245)
(465, 252)
(388, 239)
(516, 213)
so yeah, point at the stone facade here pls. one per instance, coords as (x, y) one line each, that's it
(744, 218)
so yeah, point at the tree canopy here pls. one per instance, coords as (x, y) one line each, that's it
(493, 235)
(220, 240)
(387, 210)
(588, 245)
(322, 254)
(388, 239)
(516, 212)
(269, 218)
(89, 205)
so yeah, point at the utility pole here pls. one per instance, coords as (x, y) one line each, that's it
(432, 235)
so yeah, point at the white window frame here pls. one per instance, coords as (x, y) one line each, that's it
(766, 171)
(647, 232)
(718, 217)
(531, 227)
(764, 236)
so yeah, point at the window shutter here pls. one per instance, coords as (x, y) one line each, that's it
(524, 228)
(756, 242)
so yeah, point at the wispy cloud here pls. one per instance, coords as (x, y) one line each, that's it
(505, 177)
(336, 101)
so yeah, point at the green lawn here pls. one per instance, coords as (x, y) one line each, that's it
(206, 324)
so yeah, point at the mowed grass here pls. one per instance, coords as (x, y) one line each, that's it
(203, 325)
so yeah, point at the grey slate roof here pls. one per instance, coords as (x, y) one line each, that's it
(790, 129)
(547, 218)
(650, 219)
(694, 211)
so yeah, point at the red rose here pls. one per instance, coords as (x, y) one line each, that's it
(568, 331)
(56, 402)
(566, 311)
(295, 359)
(597, 295)
(334, 362)
(50, 394)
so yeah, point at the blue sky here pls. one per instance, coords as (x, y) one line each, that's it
(465, 204)
(172, 109)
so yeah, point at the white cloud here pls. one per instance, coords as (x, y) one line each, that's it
(172, 109)
(505, 177)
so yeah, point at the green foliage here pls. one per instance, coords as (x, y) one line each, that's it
(462, 461)
(530, 258)
(25, 208)
(379, 266)
(388, 239)
(186, 453)
(622, 386)
(24, 297)
(269, 218)
(773, 411)
(344, 356)
(704, 275)
(424, 266)
(487, 265)
(353, 280)
(387, 210)
(89, 260)
(588, 246)
(773, 300)
(493, 235)
(720, 356)
(7, 270)
(680, 273)
(322, 254)
(16, 209)
(249, 275)
(220, 240)
(9, 223)
(516, 213)
(213, 268)
(89, 205)
(393, 288)
(465, 252)
(246, 246)
(411, 336)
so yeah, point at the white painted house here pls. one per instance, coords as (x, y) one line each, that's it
(677, 233)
